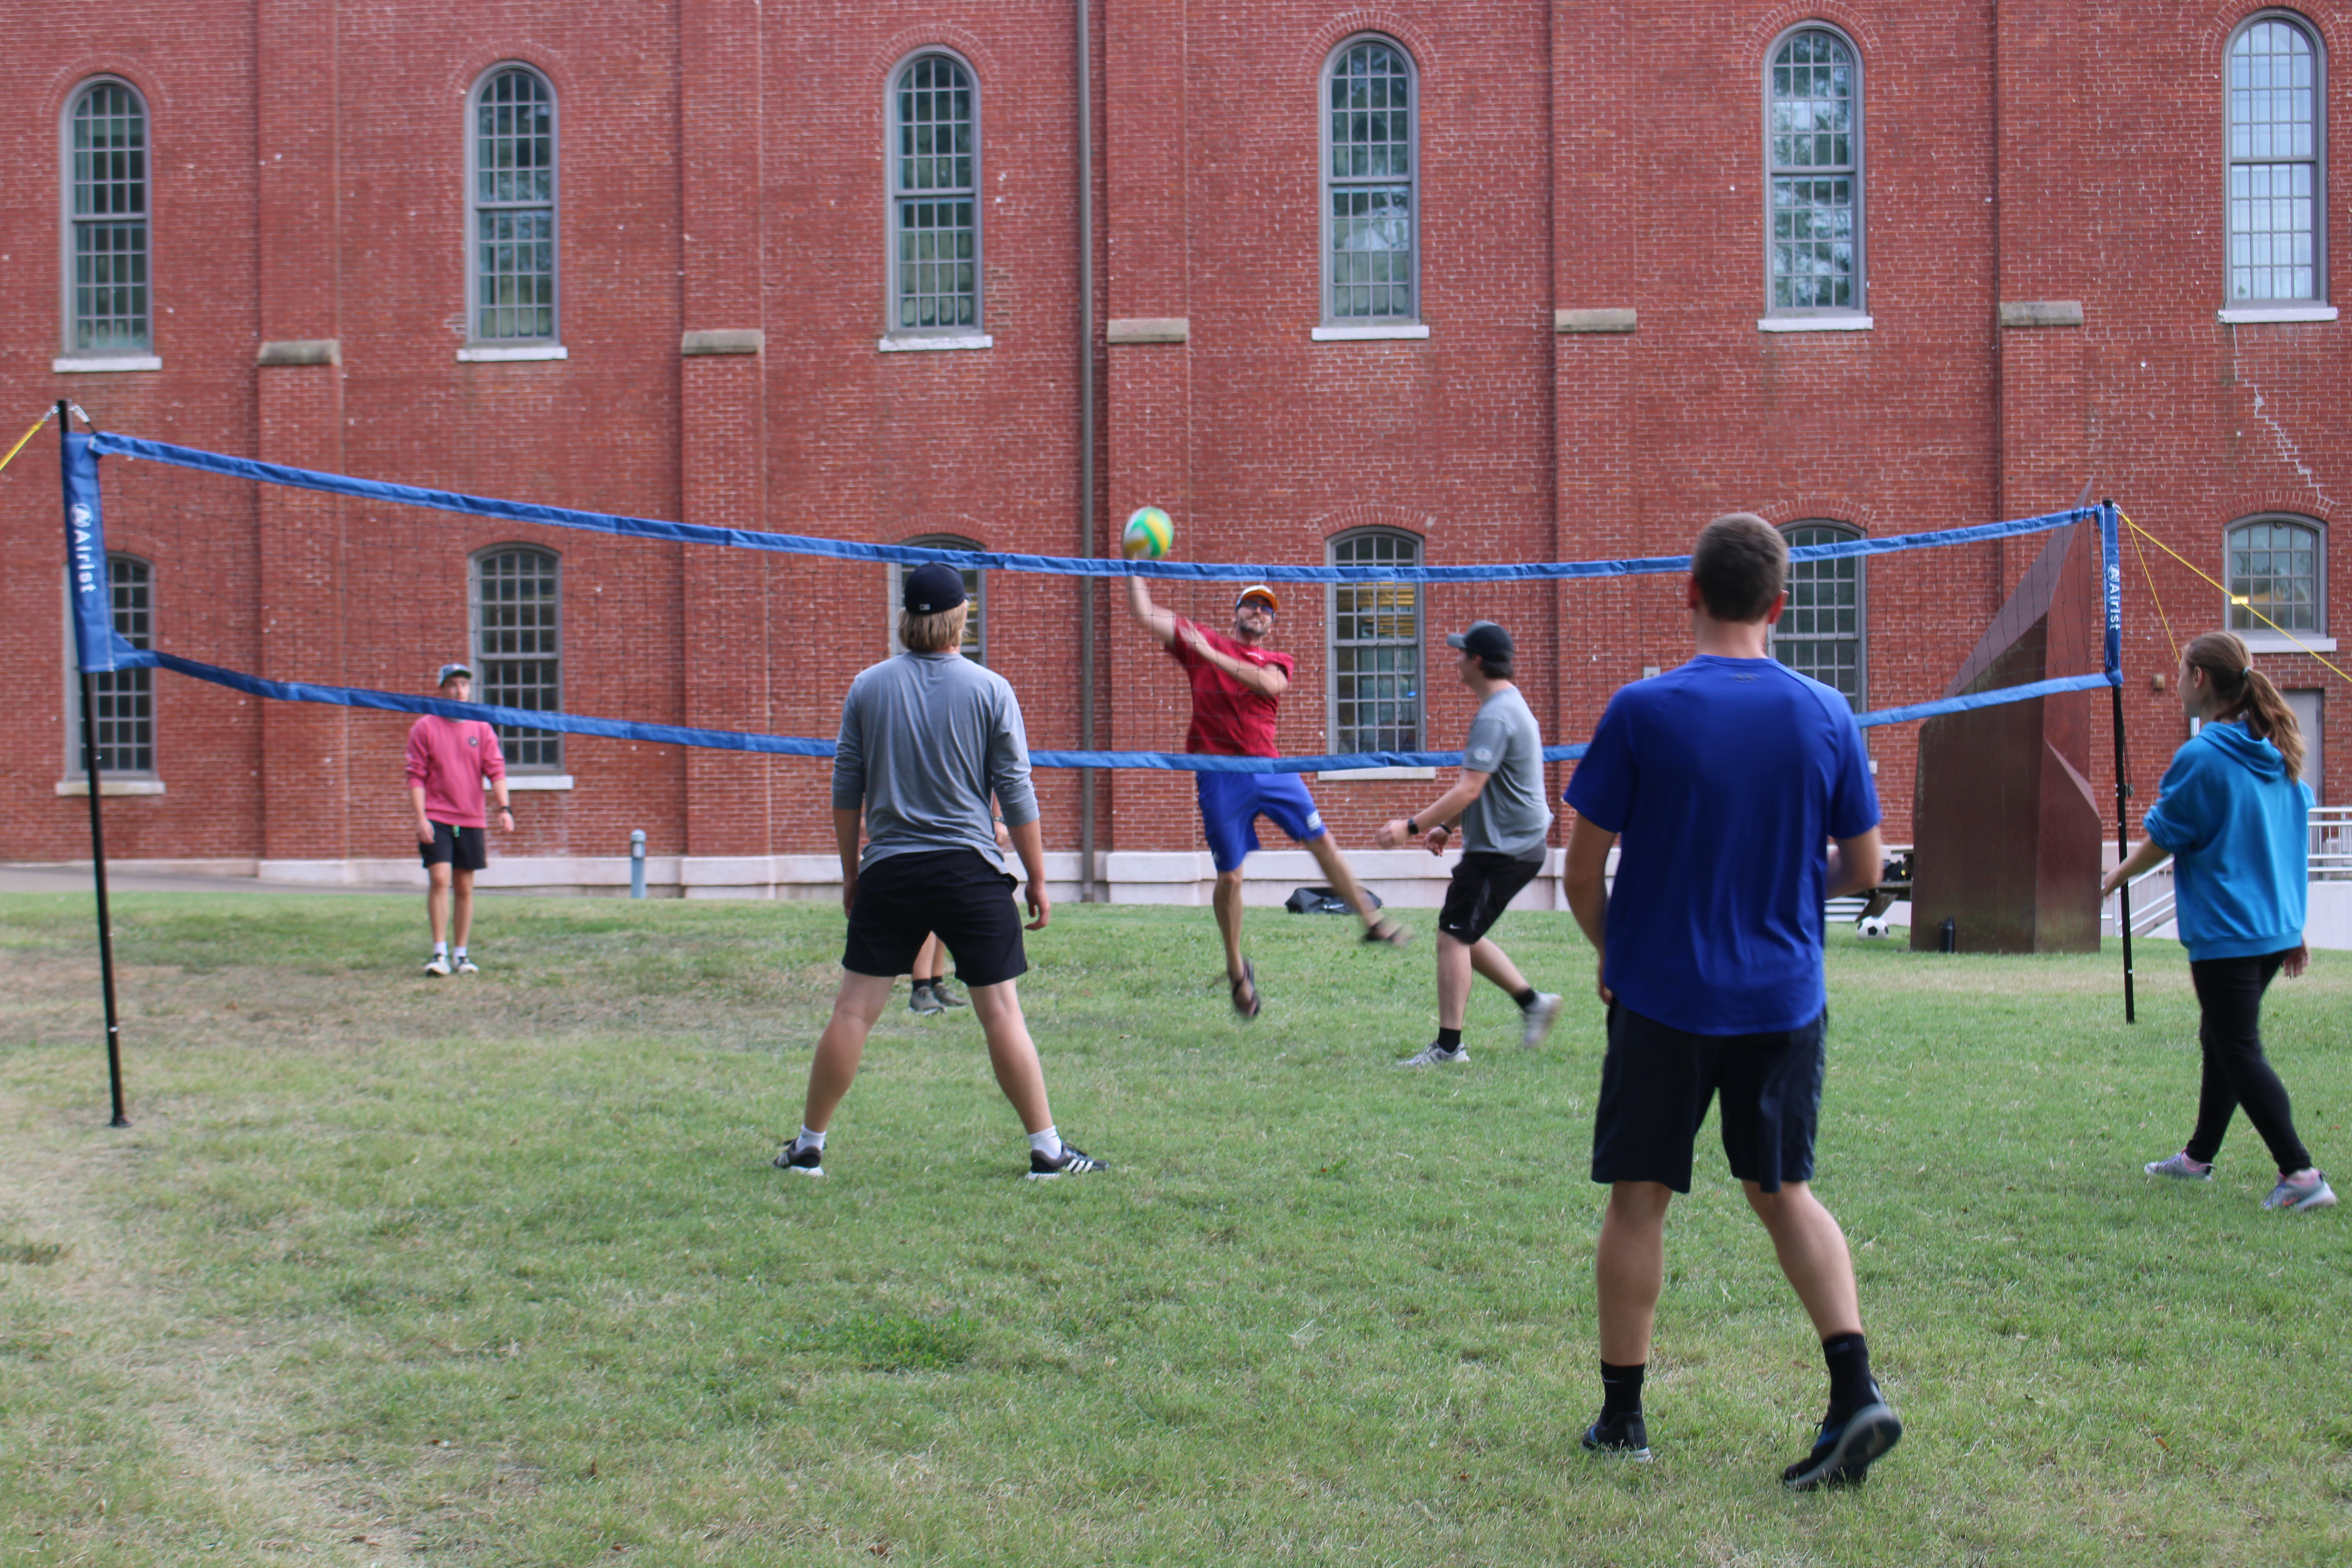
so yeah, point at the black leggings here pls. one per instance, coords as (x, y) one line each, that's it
(2230, 997)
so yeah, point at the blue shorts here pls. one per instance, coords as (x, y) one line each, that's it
(1231, 805)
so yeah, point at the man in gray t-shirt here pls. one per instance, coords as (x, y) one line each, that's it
(1505, 827)
(926, 738)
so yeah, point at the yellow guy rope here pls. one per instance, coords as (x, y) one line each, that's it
(27, 435)
(2167, 621)
(2230, 596)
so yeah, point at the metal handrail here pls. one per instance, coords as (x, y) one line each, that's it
(2331, 844)
(2158, 910)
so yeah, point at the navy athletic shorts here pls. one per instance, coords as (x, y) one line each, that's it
(902, 898)
(460, 848)
(1656, 1082)
(1231, 805)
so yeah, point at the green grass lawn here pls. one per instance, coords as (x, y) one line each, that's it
(497, 1272)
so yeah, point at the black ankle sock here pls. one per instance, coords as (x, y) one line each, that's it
(1620, 1390)
(1525, 999)
(1849, 1361)
(1450, 1038)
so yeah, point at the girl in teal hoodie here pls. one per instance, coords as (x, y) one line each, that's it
(2232, 815)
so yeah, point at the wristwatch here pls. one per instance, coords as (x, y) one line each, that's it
(1411, 828)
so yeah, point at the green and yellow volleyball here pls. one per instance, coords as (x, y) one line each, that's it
(1148, 533)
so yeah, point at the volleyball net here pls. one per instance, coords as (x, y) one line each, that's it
(365, 545)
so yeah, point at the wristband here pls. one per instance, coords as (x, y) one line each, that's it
(1412, 827)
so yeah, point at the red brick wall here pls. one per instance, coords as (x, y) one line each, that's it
(723, 169)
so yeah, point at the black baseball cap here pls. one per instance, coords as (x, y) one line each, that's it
(930, 588)
(1485, 638)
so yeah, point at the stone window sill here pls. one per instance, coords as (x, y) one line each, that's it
(1814, 324)
(1386, 332)
(2272, 642)
(893, 344)
(2252, 315)
(493, 353)
(109, 788)
(518, 783)
(1344, 776)
(85, 365)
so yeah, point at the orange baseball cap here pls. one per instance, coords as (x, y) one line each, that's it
(1259, 591)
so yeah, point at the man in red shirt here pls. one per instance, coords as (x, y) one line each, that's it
(448, 760)
(1238, 686)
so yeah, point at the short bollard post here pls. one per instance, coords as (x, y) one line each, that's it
(636, 863)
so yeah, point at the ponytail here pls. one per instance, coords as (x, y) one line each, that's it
(2247, 693)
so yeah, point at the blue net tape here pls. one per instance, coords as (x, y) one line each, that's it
(128, 657)
(106, 650)
(107, 443)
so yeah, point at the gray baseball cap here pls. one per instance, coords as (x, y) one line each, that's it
(449, 669)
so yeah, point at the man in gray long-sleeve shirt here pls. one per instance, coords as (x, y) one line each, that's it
(926, 738)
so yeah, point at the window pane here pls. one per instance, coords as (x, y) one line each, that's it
(517, 653)
(1820, 632)
(122, 701)
(2274, 569)
(108, 179)
(2273, 208)
(1376, 657)
(1371, 252)
(1369, 180)
(1812, 139)
(937, 260)
(514, 196)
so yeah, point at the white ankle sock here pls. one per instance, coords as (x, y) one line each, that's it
(809, 1138)
(440, 950)
(461, 951)
(1048, 1143)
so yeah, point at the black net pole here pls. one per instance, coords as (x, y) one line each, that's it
(89, 767)
(2122, 829)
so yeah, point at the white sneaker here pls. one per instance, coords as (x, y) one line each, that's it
(465, 965)
(1434, 1055)
(437, 967)
(1537, 1019)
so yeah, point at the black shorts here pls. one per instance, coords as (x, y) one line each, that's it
(460, 848)
(1655, 1082)
(1484, 886)
(954, 893)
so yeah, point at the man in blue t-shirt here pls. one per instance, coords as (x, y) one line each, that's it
(1724, 780)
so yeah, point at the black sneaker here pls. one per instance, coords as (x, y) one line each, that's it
(1075, 1162)
(808, 1162)
(1621, 1437)
(1843, 1454)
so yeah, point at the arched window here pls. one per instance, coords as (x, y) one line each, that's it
(1371, 272)
(2278, 566)
(1376, 658)
(122, 701)
(107, 306)
(517, 647)
(1812, 152)
(510, 272)
(1822, 632)
(935, 198)
(2276, 238)
(976, 588)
